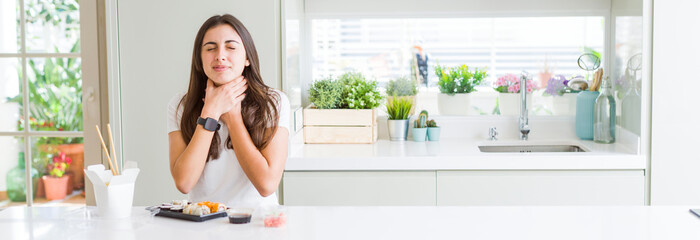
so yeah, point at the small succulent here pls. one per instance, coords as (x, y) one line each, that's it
(421, 121)
(431, 123)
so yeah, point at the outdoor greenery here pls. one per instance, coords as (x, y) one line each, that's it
(401, 86)
(460, 79)
(55, 84)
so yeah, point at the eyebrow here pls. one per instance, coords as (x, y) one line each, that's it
(227, 41)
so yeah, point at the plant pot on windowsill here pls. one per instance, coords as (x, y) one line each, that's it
(340, 125)
(509, 103)
(398, 129)
(433, 133)
(455, 104)
(54, 187)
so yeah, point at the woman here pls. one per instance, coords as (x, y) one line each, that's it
(228, 133)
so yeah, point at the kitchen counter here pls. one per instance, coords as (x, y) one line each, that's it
(450, 154)
(412, 222)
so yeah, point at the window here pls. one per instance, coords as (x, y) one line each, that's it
(41, 111)
(384, 49)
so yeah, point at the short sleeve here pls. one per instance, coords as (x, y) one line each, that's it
(174, 113)
(283, 108)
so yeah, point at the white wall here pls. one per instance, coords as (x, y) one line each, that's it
(155, 48)
(675, 161)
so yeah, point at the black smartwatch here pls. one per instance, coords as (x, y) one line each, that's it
(209, 124)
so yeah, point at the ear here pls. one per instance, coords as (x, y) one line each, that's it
(247, 63)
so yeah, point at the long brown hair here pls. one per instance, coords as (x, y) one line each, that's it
(259, 108)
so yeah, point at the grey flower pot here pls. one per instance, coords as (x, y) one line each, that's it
(398, 129)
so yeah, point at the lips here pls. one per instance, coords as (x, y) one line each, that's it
(220, 68)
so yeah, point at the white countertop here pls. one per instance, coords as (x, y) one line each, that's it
(619, 222)
(456, 155)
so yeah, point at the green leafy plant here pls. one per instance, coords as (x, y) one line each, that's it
(421, 121)
(358, 92)
(55, 98)
(431, 123)
(54, 89)
(401, 86)
(459, 79)
(399, 108)
(326, 94)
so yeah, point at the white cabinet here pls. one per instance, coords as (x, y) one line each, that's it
(374, 188)
(469, 188)
(580, 187)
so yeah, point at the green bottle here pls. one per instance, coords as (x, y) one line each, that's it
(16, 188)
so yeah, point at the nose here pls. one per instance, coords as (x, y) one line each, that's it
(220, 56)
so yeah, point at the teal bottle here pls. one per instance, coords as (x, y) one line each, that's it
(585, 103)
(16, 188)
(604, 117)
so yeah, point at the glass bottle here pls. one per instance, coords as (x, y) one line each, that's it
(604, 114)
(16, 188)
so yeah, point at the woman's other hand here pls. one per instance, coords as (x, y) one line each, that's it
(224, 98)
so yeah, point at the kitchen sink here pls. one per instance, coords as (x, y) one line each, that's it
(531, 148)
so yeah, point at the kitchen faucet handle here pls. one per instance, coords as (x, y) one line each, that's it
(493, 133)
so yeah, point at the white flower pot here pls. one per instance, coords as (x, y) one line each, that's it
(564, 105)
(509, 103)
(457, 104)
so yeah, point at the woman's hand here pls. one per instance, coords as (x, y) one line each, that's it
(222, 99)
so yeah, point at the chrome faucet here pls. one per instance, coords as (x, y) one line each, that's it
(522, 120)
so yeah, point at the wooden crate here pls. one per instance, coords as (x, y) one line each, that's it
(340, 125)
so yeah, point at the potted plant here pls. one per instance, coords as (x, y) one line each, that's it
(343, 110)
(508, 88)
(455, 84)
(420, 130)
(55, 184)
(563, 97)
(433, 130)
(402, 87)
(398, 111)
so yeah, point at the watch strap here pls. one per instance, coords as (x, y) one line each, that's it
(209, 124)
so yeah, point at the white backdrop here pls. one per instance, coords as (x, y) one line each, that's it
(155, 47)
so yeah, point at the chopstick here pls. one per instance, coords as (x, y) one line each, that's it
(114, 153)
(99, 133)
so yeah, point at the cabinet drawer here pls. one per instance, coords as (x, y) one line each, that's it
(540, 187)
(359, 188)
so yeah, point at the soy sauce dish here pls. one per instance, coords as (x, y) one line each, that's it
(239, 215)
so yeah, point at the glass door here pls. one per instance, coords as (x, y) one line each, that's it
(41, 108)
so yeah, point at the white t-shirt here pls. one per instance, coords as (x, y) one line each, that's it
(223, 179)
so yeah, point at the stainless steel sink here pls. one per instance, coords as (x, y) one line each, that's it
(531, 148)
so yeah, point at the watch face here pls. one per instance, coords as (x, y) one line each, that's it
(211, 124)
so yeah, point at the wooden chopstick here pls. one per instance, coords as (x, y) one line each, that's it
(99, 133)
(114, 153)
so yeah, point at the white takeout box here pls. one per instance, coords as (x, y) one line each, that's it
(114, 194)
